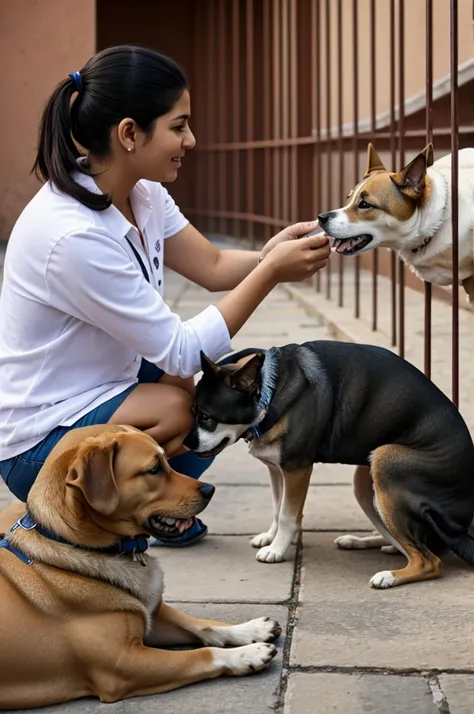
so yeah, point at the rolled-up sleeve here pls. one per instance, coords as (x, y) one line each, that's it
(91, 277)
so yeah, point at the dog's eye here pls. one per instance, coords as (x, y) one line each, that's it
(156, 469)
(206, 420)
(364, 204)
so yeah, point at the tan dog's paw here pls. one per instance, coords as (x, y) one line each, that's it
(262, 539)
(268, 555)
(262, 629)
(244, 660)
(382, 580)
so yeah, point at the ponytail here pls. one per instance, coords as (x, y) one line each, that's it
(117, 83)
(57, 154)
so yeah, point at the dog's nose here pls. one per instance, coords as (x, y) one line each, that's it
(323, 218)
(207, 491)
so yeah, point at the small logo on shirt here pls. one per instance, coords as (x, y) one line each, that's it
(156, 262)
(157, 246)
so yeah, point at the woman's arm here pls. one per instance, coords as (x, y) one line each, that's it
(90, 276)
(191, 255)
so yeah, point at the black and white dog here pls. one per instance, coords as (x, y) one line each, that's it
(335, 402)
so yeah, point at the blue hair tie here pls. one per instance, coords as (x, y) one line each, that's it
(77, 79)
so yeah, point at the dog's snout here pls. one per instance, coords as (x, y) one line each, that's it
(323, 218)
(207, 491)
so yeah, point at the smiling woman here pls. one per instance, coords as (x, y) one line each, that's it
(86, 336)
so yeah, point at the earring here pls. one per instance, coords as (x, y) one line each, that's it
(130, 148)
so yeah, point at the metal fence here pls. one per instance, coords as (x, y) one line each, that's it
(275, 80)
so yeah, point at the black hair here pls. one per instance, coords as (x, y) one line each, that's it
(118, 82)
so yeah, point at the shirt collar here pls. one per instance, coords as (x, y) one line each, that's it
(140, 198)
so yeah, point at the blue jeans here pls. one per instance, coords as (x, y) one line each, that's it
(20, 472)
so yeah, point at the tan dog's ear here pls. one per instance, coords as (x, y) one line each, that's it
(207, 366)
(411, 179)
(374, 162)
(92, 472)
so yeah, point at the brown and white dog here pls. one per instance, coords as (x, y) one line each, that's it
(410, 211)
(81, 611)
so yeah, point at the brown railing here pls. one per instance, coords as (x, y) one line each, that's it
(287, 96)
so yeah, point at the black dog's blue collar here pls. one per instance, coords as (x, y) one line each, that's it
(124, 546)
(255, 432)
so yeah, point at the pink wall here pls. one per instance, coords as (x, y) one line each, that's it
(40, 43)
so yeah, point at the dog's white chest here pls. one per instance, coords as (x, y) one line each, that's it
(270, 453)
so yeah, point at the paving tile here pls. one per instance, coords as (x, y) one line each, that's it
(333, 693)
(459, 692)
(248, 510)
(224, 568)
(343, 622)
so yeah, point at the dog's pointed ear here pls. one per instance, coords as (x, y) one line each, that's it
(92, 472)
(374, 162)
(411, 179)
(207, 365)
(246, 377)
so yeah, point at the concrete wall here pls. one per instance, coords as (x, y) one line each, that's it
(41, 41)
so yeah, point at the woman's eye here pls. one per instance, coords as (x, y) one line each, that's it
(180, 128)
(364, 204)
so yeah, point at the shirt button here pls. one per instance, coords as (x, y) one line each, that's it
(159, 283)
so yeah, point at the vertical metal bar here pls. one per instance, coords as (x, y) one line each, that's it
(340, 142)
(429, 139)
(294, 111)
(250, 118)
(223, 111)
(199, 122)
(316, 63)
(211, 116)
(355, 80)
(453, 41)
(276, 107)
(267, 100)
(401, 130)
(373, 123)
(328, 177)
(235, 115)
(285, 110)
(393, 257)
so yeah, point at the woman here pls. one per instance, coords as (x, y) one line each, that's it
(85, 335)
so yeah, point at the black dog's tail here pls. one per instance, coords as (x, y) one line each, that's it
(461, 543)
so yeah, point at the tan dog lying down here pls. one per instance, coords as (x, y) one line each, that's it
(76, 621)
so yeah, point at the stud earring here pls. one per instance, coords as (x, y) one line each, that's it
(129, 148)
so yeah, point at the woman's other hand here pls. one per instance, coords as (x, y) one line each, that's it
(297, 230)
(295, 260)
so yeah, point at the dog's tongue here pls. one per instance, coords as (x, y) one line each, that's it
(346, 245)
(184, 525)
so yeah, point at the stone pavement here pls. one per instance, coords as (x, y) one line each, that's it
(346, 649)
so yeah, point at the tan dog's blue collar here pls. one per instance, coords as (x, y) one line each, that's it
(124, 546)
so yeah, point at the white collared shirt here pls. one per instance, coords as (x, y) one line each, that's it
(77, 314)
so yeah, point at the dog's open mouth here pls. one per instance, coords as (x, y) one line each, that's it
(213, 452)
(351, 246)
(165, 528)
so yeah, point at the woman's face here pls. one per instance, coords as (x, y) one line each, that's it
(159, 157)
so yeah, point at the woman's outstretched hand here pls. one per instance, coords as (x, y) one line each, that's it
(297, 230)
(291, 260)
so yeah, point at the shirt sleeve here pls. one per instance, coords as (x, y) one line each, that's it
(174, 219)
(91, 277)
